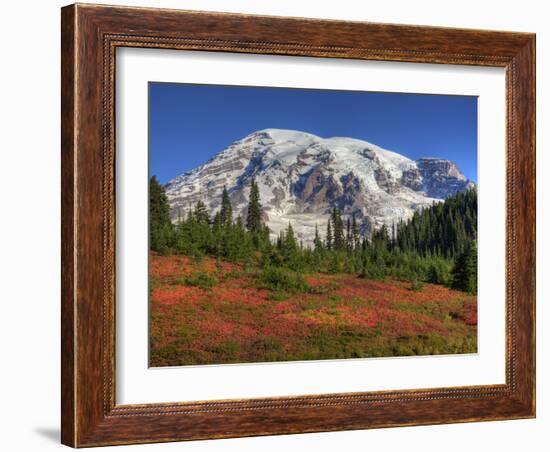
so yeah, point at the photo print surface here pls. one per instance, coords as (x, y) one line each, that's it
(304, 224)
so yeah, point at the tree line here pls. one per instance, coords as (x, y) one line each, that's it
(437, 245)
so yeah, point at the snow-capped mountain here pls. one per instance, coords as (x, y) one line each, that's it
(301, 177)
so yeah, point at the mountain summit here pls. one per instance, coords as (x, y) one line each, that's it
(301, 177)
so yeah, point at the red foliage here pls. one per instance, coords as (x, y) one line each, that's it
(469, 314)
(236, 317)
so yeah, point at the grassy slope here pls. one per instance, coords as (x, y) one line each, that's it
(207, 312)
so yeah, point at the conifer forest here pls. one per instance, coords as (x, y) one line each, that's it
(225, 289)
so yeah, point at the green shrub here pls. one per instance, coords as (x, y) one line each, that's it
(282, 280)
(416, 285)
(439, 273)
(200, 279)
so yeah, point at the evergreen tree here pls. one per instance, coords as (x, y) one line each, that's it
(338, 224)
(354, 233)
(201, 213)
(226, 211)
(364, 244)
(419, 249)
(290, 245)
(280, 239)
(465, 269)
(329, 236)
(160, 226)
(254, 214)
(317, 242)
(218, 234)
(159, 210)
(443, 229)
(348, 234)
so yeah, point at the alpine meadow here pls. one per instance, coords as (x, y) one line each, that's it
(272, 243)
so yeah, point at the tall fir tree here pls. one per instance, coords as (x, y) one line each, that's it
(160, 226)
(465, 269)
(254, 213)
(355, 233)
(290, 246)
(420, 248)
(279, 240)
(226, 211)
(443, 229)
(159, 210)
(317, 242)
(349, 241)
(201, 213)
(338, 228)
(329, 238)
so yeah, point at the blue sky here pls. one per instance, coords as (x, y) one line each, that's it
(190, 123)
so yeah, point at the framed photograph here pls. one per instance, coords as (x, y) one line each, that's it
(281, 225)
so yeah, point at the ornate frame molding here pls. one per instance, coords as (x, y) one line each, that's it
(90, 37)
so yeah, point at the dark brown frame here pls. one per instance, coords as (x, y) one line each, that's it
(90, 35)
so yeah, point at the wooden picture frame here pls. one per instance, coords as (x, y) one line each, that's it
(90, 36)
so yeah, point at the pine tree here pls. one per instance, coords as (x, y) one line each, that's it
(218, 235)
(290, 246)
(290, 239)
(160, 226)
(354, 233)
(338, 240)
(317, 242)
(465, 269)
(159, 210)
(201, 213)
(364, 243)
(349, 245)
(254, 214)
(329, 236)
(443, 228)
(226, 211)
(280, 239)
(239, 223)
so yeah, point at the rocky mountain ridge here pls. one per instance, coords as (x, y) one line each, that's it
(301, 177)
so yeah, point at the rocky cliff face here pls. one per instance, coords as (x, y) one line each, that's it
(441, 178)
(301, 177)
